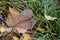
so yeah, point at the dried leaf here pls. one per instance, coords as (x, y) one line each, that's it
(15, 16)
(41, 30)
(2, 28)
(49, 17)
(26, 36)
(20, 20)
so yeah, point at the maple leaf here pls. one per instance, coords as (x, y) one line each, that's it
(20, 19)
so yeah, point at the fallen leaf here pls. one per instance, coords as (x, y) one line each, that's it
(2, 28)
(15, 16)
(26, 36)
(49, 17)
(41, 30)
(21, 21)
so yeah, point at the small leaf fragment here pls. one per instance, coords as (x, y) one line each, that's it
(49, 17)
(40, 29)
(2, 28)
(26, 36)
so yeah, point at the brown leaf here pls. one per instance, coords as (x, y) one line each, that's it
(20, 19)
(15, 16)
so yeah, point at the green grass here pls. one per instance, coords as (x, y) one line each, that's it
(40, 7)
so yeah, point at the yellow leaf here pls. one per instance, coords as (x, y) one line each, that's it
(26, 36)
(40, 29)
